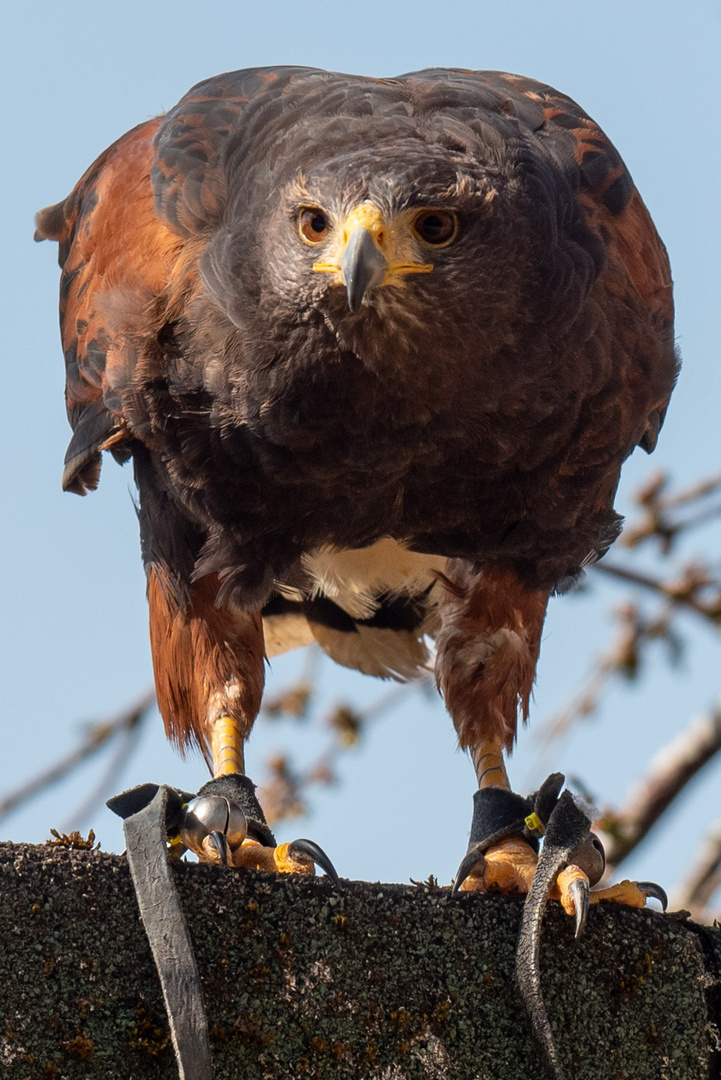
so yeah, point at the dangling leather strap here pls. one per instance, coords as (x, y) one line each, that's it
(164, 922)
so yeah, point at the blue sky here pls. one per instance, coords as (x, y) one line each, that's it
(78, 75)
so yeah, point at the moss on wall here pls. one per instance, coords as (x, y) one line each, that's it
(375, 981)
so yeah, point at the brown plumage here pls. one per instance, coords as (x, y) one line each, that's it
(431, 450)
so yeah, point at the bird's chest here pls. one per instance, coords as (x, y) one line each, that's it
(346, 477)
(345, 428)
(330, 432)
(337, 453)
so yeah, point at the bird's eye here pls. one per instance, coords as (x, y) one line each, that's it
(436, 227)
(313, 225)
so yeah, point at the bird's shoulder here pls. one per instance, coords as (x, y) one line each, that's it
(112, 246)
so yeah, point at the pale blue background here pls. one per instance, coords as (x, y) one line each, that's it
(75, 76)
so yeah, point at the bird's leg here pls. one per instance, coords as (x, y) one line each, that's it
(208, 660)
(486, 661)
(487, 652)
(508, 865)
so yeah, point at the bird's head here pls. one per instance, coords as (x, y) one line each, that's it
(384, 230)
(407, 249)
(374, 216)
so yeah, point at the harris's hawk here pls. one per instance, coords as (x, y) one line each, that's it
(378, 349)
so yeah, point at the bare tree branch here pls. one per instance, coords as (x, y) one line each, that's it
(656, 521)
(625, 656)
(127, 736)
(699, 490)
(97, 735)
(668, 774)
(704, 880)
(686, 591)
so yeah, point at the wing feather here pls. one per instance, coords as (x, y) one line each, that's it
(112, 245)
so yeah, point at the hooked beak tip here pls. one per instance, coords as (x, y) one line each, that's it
(362, 266)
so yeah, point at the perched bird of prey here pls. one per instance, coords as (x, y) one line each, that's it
(378, 349)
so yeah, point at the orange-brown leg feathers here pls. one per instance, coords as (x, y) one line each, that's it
(208, 661)
(209, 668)
(488, 648)
(486, 663)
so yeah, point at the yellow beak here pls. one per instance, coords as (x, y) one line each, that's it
(370, 252)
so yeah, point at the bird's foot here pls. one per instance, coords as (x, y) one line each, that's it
(503, 847)
(505, 867)
(225, 825)
(502, 853)
(510, 866)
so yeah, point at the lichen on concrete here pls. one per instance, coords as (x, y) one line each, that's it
(376, 982)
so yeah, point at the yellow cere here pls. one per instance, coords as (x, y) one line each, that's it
(395, 239)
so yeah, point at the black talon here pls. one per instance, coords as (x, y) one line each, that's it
(316, 853)
(217, 840)
(581, 893)
(654, 890)
(469, 862)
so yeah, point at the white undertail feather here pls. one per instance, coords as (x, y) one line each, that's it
(285, 632)
(355, 580)
(387, 654)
